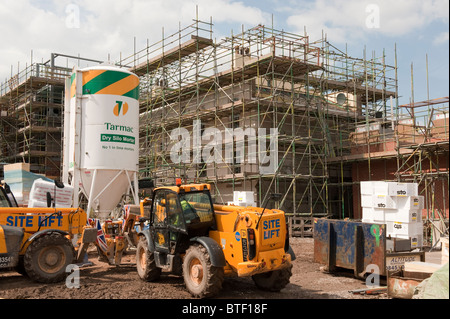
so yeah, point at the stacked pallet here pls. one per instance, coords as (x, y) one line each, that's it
(397, 205)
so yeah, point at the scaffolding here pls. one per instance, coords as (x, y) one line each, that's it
(31, 104)
(30, 118)
(315, 95)
(337, 118)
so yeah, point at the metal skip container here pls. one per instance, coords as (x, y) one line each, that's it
(350, 245)
(101, 136)
(357, 246)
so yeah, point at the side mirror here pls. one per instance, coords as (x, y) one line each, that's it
(7, 188)
(49, 199)
(59, 184)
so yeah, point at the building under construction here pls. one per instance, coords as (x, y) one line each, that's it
(30, 105)
(337, 120)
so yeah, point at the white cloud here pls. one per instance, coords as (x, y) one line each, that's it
(109, 26)
(353, 20)
(441, 38)
(105, 26)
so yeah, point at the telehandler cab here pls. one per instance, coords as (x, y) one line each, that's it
(190, 236)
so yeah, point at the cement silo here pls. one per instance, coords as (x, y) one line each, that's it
(101, 136)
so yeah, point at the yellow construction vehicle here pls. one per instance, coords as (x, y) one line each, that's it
(187, 234)
(39, 242)
(115, 236)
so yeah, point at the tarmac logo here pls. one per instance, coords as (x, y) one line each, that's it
(118, 108)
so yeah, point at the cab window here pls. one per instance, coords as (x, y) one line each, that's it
(159, 209)
(196, 208)
(3, 199)
(167, 210)
(174, 211)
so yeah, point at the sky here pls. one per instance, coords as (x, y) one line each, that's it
(100, 29)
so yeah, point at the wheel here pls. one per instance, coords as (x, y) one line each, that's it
(20, 268)
(201, 278)
(132, 238)
(145, 262)
(47, 257)
(273, 280)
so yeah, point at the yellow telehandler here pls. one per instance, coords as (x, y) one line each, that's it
(189, 235)
(39, 242)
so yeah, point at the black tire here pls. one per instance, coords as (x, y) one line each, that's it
(202, 279)
(145, 262)
(20, 268)
(273, 280)
(47, 257)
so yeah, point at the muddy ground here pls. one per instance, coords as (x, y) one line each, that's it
(101, 281)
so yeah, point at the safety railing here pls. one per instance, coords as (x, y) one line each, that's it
(37, 70)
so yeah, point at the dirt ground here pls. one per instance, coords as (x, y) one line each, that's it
(102, 281)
